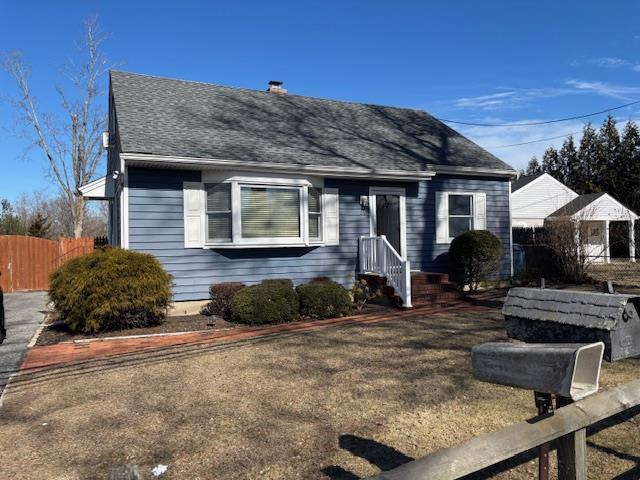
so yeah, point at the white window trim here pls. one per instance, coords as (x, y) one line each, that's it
(474, 213)
(236, 211)
(401, 192)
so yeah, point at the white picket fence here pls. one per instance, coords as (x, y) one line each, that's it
(378, 256)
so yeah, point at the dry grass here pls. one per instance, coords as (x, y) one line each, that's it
(337, 403)
(622, 273)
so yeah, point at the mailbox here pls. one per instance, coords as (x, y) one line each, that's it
(566, 370)
(563, 316)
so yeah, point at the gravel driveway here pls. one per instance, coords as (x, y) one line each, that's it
(24, 313)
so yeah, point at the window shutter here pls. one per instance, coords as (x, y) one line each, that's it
(193, 214)
(331, 216)
(442, 217)
(480, 211)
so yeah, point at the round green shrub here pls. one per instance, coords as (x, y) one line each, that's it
(474, 256)
(272, 301)
(111, 289)
(324, 299)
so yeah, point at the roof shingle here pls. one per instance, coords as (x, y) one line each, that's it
(179, 118)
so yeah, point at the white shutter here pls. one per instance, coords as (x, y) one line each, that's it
(480, 211)
(442, 217)
(331, 216)
(193, 214)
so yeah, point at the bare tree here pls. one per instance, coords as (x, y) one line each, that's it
(72, 143)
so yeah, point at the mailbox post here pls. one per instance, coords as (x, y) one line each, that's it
(567, 371)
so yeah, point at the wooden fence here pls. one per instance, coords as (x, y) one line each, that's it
(27, 262)
(567, 425)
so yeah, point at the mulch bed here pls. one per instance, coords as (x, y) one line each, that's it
(56, 331)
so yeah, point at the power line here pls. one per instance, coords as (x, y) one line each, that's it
(545, 122)
(532, 141)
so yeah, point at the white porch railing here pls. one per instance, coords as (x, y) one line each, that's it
(378, 256)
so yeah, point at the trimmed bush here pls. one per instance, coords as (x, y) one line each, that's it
(111, 289)
(323, 298)
(474, 256)
(272, 301)
(221, 295)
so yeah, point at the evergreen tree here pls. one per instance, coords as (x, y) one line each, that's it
(569, 161)
(606, 165)
(10, 223)
(551, 164)
(587, 180)
(629, 167)
(39, 226)
(533, 166)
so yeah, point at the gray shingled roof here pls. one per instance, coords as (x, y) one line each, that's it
(174, 117)
(524, 180)
(577, 204)
(586, 309)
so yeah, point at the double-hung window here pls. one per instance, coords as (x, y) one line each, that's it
(218, 210)
(315, 214)
(243, 212)
(460, 214)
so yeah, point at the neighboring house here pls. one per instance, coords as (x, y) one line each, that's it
(540, 198)
(597, 211)
(228, 184)
(535, 197)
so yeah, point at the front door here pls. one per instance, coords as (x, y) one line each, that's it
(388, 218)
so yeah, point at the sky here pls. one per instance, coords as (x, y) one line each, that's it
(481, 62)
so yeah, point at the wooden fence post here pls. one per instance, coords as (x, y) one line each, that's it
(572, 451)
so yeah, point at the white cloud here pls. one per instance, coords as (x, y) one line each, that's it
(519, 155)
(605, 89)
(484, 101)
(610, 62)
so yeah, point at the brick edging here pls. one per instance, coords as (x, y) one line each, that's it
(69, 352)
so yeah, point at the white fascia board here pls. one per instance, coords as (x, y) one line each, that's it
(136, 159)
(473, 171)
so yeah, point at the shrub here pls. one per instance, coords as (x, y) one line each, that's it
(361, 293)
(323, 298)
(473, 257)
(221, 295)
(272, 301)
(111, 289)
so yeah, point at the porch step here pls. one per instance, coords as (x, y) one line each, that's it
(427, 288)
(429, 277)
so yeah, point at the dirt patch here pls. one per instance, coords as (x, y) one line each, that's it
(335, 403)
(57, 331)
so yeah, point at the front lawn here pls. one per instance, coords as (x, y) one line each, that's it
(335, 403)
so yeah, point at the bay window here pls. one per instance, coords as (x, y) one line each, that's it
(246, 212)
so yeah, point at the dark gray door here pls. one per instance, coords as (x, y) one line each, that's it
(388, 218)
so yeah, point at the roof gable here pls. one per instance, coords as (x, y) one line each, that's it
(168, 117)
(595, 206)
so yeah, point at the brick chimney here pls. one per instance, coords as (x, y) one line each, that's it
(275, 86)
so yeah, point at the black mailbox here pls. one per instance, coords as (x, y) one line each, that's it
(537, 315)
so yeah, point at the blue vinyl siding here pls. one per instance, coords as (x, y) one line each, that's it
(156, 227)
